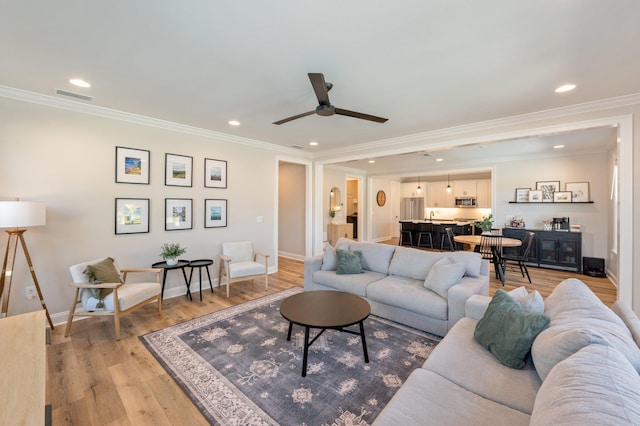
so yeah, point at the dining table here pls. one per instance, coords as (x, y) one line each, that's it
(474, 240)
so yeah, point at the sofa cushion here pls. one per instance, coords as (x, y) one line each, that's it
(443, 275)
(349, 262)
(464, 361)
(578, 319)
(355, 284)
(508, 329)
(428, 398)
(329, 258)
(408, 294)
(532, 301)
(413, 263)
(595, 386)
(471, 260)
(629, 318)
(375, 257)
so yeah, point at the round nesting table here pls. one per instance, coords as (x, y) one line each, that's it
(200, 263)
(180, 265)
(325, 309)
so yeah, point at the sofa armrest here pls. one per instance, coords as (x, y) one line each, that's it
(476, 306)
(311, 265)
(459, 293)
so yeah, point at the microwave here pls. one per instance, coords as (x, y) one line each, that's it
(465, 201)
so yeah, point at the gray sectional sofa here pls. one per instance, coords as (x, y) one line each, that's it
(583, 370)
(424, 290)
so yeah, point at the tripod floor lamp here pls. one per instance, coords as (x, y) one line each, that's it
(17, 215)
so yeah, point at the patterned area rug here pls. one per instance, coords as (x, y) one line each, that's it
(239, 369)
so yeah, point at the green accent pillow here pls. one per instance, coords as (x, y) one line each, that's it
(349, 262)
(102, 272)
(507, 329)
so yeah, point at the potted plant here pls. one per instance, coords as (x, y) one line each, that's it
(486, 223)
(170, 253)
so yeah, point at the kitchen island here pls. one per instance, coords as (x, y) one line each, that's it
(437, 229)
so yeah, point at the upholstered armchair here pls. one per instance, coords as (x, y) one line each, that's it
(101, 289)
(238, 262)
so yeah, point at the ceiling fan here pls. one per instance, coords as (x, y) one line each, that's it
(324, 107)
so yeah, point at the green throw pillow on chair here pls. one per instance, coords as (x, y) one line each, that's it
(349, 262)
(507, 329)
(102, 272)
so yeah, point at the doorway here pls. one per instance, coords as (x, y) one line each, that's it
(353, 202)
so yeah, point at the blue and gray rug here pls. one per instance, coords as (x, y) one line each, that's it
(238, 368)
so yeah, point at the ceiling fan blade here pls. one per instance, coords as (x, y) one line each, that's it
(294, 117)
(320, 87)
(346, 112)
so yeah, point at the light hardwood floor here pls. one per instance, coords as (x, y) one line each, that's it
(95, 380)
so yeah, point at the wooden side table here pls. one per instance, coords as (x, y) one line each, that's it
(182, 263)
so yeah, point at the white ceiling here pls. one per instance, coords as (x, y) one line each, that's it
(423, 64)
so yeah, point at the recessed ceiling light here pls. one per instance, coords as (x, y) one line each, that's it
(313, 143)
(234, 122)
(558, 146)
(372, 161)
(79, 82)
(439, 159)
(565, 88)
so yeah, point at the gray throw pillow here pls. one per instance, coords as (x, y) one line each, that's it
(329, 259)
(349, 262)
(507, 329)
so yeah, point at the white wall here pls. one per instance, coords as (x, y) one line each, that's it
(592, 218)
(67, 160)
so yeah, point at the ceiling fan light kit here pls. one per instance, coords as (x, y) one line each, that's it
(324, 108)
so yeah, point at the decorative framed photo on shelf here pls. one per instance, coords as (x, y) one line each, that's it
(548, 188)
(178, 170)
(522, 195)
(178, 213)
(215, 213)
(535, 196)
(132, 165)
(132, 215)
(579, 191)
(215, 173)
(562, 197)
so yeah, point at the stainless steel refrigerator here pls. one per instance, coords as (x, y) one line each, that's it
(412, 208)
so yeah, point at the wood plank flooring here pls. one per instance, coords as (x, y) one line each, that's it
(95, 380)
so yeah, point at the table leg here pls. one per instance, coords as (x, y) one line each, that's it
(364, 342)
(164, 279)
(210, 285)
(188, 282)
(289, 333)
(200, 277)
(306, 351)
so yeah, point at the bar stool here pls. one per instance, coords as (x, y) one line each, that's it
(402, 234)
(423, 232)
(200, 263)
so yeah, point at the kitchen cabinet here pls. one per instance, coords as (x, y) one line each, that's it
(464, 188)
(438, 197)
(410, 189)
(552, 249)
(483, 193)
(339, 230)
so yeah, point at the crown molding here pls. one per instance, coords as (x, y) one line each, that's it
(83, 108)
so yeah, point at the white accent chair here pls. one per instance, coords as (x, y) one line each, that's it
(130, 296)
(238, 262)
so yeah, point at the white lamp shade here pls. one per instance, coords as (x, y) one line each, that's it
(20, 214)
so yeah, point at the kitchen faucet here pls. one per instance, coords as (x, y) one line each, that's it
(431, 216)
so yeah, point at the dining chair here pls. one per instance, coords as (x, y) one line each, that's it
(102, 290)
(238, 262)
(490, 248)
(522, 255)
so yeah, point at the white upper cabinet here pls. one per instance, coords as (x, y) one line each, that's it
(483, 196)
(465, 188)
(439, 197)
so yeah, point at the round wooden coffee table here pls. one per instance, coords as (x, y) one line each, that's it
(325, 310)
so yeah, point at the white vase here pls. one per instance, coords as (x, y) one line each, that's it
(172, 261)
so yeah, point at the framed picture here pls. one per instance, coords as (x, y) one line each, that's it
(535, 196)
(132, 215)
(548, 188)
(178, 213)
(132, 165)
(562, 197)
(522, 195)
(215, 173)
(178, 169)
(579, 191)
(215, 213)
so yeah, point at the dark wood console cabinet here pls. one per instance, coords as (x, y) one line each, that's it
(552, 249)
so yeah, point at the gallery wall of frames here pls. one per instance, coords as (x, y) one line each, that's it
(132, 214)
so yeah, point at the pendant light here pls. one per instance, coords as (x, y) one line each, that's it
(419, 190)
(448, 184)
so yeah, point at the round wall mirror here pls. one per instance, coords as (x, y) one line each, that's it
(335, 199)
